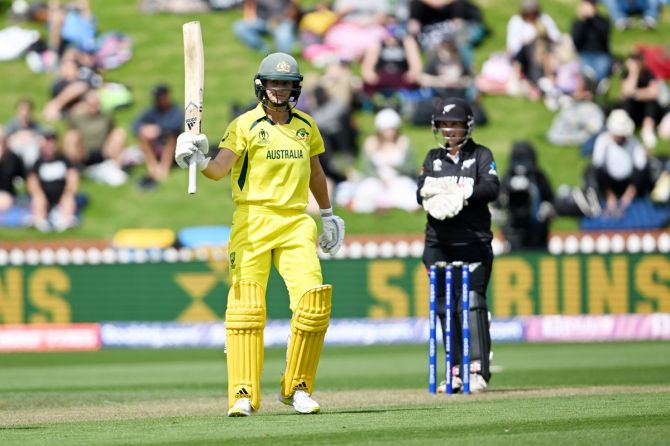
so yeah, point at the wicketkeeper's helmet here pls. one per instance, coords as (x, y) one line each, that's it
(281, 67)
(452, 110)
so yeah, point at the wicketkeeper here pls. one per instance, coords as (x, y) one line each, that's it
(272, 153)
(458, 180)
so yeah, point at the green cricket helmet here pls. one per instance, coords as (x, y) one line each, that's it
(281, 67)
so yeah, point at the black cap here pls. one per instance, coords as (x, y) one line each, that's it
(160, 90)
(452, 109)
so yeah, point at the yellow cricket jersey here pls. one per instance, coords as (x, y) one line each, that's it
(273, 168)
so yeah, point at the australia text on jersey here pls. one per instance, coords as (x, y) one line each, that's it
(280, 154)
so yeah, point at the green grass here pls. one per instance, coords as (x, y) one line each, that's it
(558, 394)
(229, 69)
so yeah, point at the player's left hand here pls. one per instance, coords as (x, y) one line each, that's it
(332, 236)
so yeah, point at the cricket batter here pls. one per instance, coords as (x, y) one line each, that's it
(273, 153)
(458, 180)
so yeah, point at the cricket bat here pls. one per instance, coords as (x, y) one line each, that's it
(194, 86)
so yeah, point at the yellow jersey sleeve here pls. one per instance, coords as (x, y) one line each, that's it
(234, 139)
(316, 145)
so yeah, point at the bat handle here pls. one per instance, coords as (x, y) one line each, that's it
(192, 173)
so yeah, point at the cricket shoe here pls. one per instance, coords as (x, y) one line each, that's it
(241, 408)
(477, 383)
(456, 385)
(301, 402)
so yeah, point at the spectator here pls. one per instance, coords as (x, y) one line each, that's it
(263, 17)
(361, 25)
(392, 64)
(77, 75)
(389, 166)
(334, 118)
(330, 98)
(640, 91)
(531, 36)
(664, 125)
(591, 36)
(460, 20)
(564, 81)
(93, 138)
(23, 133)
(72, 24)
(156, 130)
(314, 23)
(341, 82)
(620, 162)
(526, 199)
(52, 184)
(446, 73)
(621, 11)
(11, 169)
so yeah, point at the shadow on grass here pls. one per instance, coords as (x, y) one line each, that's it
(361, 411)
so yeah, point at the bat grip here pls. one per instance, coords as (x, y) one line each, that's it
(192, 172)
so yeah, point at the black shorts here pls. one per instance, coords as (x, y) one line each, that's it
(94, 157)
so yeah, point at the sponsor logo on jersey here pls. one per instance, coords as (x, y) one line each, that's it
(459, 180)
(284, 154)
(467, 164)
(263, 137)
(437, 165)
(225, 136)
(492, 168)
(301, 134)
(232, 260)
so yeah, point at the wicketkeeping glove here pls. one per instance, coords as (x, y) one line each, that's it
(189, 145)
(446, 204)
(433, 186)
(332, 236)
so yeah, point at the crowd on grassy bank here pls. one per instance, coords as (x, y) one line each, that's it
(388, 58)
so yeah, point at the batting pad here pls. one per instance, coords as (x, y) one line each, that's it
(308, 329)
(245, 320)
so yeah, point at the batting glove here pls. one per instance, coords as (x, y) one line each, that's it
(333, 232)
(189, 145)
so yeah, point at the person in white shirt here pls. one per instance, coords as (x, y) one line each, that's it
(531, 35)
(620, 161)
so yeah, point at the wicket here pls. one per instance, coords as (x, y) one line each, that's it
(448, 269)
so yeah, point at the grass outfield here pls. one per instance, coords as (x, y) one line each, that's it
(614, 393)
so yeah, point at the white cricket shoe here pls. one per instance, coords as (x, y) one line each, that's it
(241, 408)
(301, 402)
(477, 383)
(456, 385)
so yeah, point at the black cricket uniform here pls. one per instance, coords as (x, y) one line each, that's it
(52, 177)
(11, 167)
(465, 237)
